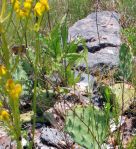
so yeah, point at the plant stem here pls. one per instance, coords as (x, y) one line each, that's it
(5, 50)
(14, 103)
(35, 86)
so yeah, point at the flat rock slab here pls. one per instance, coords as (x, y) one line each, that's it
(103, 47)
(55, 138)
(108, 56)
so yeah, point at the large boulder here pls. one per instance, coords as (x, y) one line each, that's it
(102, 36)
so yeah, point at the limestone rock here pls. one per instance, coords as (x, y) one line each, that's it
(55, 138)
(108, 56)
(103, 47)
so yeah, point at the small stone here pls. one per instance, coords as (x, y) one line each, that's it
(85, 84)
(49, 137)
(113, 126)
(38, 125)
(24, 142)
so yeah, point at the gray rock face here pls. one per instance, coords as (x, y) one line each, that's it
(55, 138)
(108, 56)
(103, 48)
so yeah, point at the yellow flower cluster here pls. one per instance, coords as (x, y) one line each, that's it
(22, 12)
(2, 70)
(4, 115)
(41, 7)
(14, 90)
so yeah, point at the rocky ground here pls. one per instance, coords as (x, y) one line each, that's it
(102, 36)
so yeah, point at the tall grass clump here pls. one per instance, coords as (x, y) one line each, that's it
(75, 10)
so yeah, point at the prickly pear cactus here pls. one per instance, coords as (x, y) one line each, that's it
(88, 127)
(128, 92)
(125, 57)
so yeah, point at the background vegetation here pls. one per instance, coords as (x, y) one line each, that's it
(37, 61)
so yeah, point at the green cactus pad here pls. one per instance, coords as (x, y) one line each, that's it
(85, 119)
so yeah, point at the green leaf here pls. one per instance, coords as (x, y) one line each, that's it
(73, 57)
(125, 56)
(128, 94)
(95, 121)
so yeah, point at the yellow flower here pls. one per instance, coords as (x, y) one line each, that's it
(10, 84)
(12, 1)
(27, 5)
(45, 3)
(1, 104)
(17, 5)
(23, 13)
(3, 70)
(39, 8)
(4, 115)
(14, 90)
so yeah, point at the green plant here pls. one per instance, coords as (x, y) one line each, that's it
(61, 55)
(18, 15)
(87, 126)
(132, 144)
(125, 63)
(75, 10)
(110, 103)
(12, 91)
(130, 35)
(127, 9)
(128, 93)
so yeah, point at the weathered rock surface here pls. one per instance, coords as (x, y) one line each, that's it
(55, 138)
(102, 37)
(108, 56)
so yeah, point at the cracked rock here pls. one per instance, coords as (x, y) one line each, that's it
(103, 43)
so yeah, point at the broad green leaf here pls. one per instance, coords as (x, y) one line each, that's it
(95, 121)
(128, 94)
